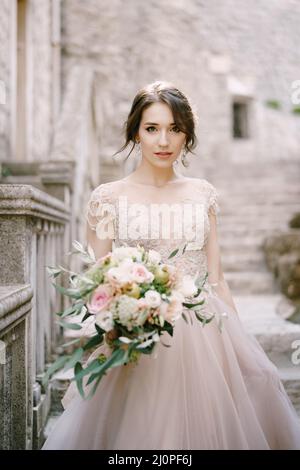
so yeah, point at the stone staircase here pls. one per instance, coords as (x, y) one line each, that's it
(275, 335)
(255, 202)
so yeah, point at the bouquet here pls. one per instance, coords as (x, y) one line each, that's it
(130, 297)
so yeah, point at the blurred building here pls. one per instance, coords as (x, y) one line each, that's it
(69, 70)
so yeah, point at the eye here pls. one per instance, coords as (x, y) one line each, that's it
(150, 127)
(176, 129)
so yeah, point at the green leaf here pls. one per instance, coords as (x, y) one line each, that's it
(174, 253)
(92, 392)
(198, 292)
(204, 320)
(78, 246)
(71, 342)
(87, 315)
(94, 341)
(73, 293)
(273, 104)
(188, 305)
(168, 327)
(117, 358)
(52, 271)
(296, 110)
(68, 311)
(99, 329)
(184, 317)
(76, 356)
(70, 326)
(92, 367)
(77, 370)
(58, 364)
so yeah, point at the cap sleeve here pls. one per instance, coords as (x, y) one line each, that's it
(213, 200)
(100, 211)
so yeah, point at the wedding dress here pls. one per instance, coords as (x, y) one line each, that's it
(214, 388)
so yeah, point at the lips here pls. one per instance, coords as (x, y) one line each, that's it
(163, 154)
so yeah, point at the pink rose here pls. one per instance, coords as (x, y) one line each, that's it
(141, 274)
(172, 311)
(100, 298)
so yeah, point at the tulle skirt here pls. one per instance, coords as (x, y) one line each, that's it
(211, 389)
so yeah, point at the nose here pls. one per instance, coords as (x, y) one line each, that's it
(163, 141)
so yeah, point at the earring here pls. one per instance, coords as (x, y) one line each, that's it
(138, 145)
(184, 160)
(176, 162)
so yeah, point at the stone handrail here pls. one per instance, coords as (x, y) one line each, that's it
(34, 233)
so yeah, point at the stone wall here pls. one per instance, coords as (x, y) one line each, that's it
(201, 46)
(5, 71)
(40, 79)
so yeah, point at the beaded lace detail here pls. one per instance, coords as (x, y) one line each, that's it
(102, 211)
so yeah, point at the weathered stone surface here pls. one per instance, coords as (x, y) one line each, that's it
(199, 46)
(15, 376)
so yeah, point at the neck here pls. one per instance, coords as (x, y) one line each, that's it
(149, 174)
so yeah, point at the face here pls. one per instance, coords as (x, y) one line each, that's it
(161, 141)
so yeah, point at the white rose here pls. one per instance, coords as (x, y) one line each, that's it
(154, 257)
(124, 252)
(121, 274)
(187, 286)
(105, 320)
(152, 298)
(140, 273)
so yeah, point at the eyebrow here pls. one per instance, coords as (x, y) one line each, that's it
(155, 123)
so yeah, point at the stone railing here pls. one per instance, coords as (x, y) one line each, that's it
(35, 233)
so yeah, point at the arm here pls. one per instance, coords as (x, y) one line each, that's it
(99, 226)
(100, 247)
(214, 265)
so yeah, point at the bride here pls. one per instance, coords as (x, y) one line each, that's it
(214, 388)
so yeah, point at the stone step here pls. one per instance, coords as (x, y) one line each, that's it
(253, 172)
(244, 219)
(272, 212)
(260, 191)
(241, 245)
(59, 384)
(51, 422)
(289, 373)
(264, 185)
(254, 230)
(243, 261)
(259, 317)
(254, 185)
(250, 282)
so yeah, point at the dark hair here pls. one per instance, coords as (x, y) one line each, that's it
(165, 92)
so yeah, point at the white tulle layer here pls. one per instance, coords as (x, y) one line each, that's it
(209, 390)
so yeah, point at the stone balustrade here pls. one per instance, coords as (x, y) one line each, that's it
(34, 233)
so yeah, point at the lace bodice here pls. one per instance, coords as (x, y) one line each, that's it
(127, 213)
